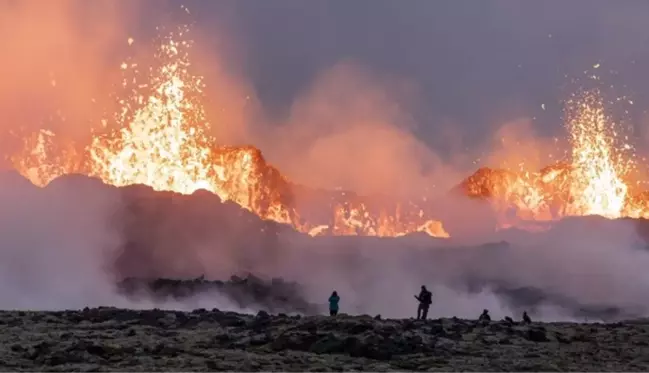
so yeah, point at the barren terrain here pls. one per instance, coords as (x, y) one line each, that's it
(113, 339)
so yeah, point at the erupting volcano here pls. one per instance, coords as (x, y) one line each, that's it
(162, 139)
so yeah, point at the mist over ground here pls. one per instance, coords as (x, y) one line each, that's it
(64, 247)
(328, 119)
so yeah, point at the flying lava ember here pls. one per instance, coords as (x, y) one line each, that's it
(162, 140)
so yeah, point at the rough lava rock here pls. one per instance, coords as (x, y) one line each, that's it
(110, 339)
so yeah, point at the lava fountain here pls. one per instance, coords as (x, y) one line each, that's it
(593, 180)
(162, 140)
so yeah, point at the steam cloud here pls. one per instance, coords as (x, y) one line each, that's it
(350, 129)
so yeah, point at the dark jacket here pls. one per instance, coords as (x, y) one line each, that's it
(425, 297)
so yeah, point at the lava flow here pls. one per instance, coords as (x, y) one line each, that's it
(162, 140)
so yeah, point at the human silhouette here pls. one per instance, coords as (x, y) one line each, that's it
(526, 318)
(484, 316)
(425, 299)
(333, 303)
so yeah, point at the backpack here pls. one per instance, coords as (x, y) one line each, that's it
(427, 297)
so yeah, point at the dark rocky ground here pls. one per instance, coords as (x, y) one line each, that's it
(127, 340)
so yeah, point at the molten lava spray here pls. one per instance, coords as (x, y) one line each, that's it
(162, 140)
(593, 180)
(598, 166)
(162, 143)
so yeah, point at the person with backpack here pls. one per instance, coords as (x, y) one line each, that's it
(425, 299)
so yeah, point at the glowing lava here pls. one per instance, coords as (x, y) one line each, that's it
(161, 146)
(596, 185)
(593, 181)
(162, 140)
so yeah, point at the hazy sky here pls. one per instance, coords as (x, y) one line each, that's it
(476, 63)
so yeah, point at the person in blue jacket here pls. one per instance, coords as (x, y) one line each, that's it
(333, 304)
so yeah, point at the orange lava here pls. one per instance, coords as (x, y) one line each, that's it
(162, 140)
(593, 181)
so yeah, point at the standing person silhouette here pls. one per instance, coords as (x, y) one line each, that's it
(425, 299)
(333, 303)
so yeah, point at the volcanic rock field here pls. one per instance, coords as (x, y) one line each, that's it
(110, 339)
